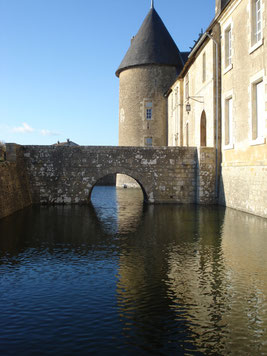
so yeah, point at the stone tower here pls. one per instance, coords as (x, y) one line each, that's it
(148, 69)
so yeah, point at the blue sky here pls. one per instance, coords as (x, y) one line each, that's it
(58, 60)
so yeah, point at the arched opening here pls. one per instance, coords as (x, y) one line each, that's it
(110, 180)
(118, 209)
(203, 129)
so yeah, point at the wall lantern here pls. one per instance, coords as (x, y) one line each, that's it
(188, 108)
(195, 98)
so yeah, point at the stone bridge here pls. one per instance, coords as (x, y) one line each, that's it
(67, 175)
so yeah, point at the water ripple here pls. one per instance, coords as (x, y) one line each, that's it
(122, 278)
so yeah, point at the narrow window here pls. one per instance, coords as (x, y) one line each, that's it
(187, 86)
(258, 111)
(228, 130)
(148, 110)
(256, 34)
(148, 141)
(204, 67)
(228, 47)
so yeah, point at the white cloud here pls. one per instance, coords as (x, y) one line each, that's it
(24, 128)
(48, 133)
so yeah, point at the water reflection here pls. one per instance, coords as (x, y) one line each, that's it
(160, 276)
(119, 210)
(121, 277)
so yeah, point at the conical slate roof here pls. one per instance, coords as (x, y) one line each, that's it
(152, 45)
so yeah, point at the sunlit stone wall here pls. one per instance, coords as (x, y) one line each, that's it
(243, 188)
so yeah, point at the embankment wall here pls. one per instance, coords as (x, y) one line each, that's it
(14, 186)
(243, 187)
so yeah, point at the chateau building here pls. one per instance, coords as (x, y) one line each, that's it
(214, 96)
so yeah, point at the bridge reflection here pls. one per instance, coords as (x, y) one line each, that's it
(183, 277)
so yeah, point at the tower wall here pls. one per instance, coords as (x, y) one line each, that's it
(138, 86)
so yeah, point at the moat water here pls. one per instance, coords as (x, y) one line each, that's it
(122, 278)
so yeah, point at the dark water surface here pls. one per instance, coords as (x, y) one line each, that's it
(121, 278)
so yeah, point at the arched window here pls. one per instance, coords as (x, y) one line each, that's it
(203, 130)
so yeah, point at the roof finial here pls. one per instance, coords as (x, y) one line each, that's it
(152, 4)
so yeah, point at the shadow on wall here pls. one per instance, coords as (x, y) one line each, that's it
(222, 199)
(108, 180)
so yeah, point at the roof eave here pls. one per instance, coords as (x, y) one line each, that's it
(119, 70)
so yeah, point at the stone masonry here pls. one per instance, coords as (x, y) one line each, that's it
(67, 175)
(14, 186)
(147, 83)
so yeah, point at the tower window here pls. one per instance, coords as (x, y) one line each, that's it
(148, 114)
(148, 141)
(148, 110)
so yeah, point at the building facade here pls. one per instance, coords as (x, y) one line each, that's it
(244, 148)
(223, 102)
(217, 99)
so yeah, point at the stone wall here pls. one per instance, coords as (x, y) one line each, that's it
(14, 188)
(206, 178)
(146, 83)
(244, 188)
(66, 175)
(244, 156)
(2, 153)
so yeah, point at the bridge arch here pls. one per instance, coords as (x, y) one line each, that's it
(137, 179)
